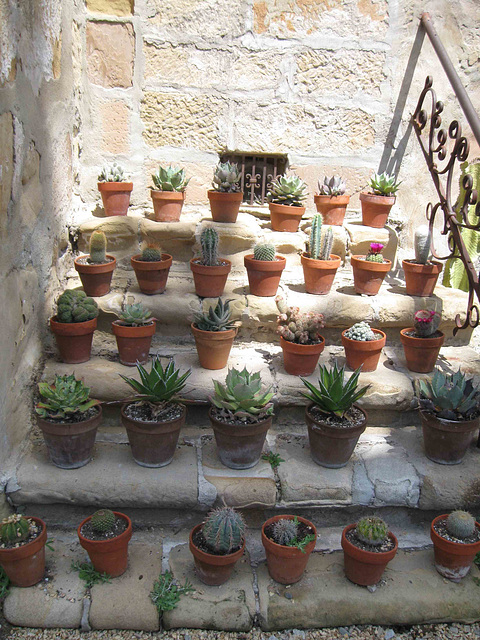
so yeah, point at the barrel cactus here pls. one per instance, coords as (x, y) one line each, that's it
(460, 524)
(371, 530)
(375, 252)
(226, 177)
(103, 521)
(15, 528)
(209, 243)
(151, 254)
(426, 322)
(98, 248)
(223, 530)
(264, 251)
(285, 531)
(76, 306)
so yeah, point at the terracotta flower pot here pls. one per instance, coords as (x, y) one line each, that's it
(285, 217)
(213, 347)
(452, 559)
(368, 276)
(210, 281)
(108, 556)
(152, 276)
(74, 339)
(264, 275)
(421, 353)
(239, 447)
(301, 359)
(133, 342)
(25, 565)
(153, 444)
(375, 209)
(96, 278)
(332, 447)
(286, 564)
(332, 208)
(167, 205)
(115, 197)
(447, 441)
(224, 206)
(420, 279)
(364, 353)
(319, 274)
(211, 569)
(365, 567)
(70, 444)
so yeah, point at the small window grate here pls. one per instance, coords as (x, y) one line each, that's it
(257, 172)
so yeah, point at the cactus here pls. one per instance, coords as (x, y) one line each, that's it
(371, 530)
(290, 190)
(135, 315)
(223, 530)
(151, 254)
(315, 236)
(15, 528)
(209, 242)
(98, 248)
(217, 318)
(75, 306)
(264, 251)
(327, 244)
(226, 178)
(170, 179)
(301, 328)
(426, 322)
(112, 173)
(375, 252)
(334, 186)
(103, 521)
(383, 184)
(460, 524)
(361, 331)
(285, 531)
(423, 240)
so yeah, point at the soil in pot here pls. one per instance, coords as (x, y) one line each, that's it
(368, 276)
(224, 206)
(133, 342)
(285, 217)
(264, 275)
(365, 563)
(453, 557)
(115, 197)
(212, 569)
(152, 276)
(210, 281)
(447, 441)
(301, 359)
(319, 274)
(74, 339)
(332, 208)
(363, 353)
(375, 209)
(167, 205)
(420, 279)
(421, 353)
(96, 277)
(213, 347)
(108, 552)
(25, 564)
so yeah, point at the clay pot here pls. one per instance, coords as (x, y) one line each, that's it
(25, 565)
(319, 274)
(153, 444)
(365, 567)
(447, 441)
(167, 205)
(452, 559)
(264, 275)
(368, 276)
(74, 339)
(239, 447)
(213, 347)
(211, 569)
(285, 217)
(108, 556)
(224, 206)
(301, 359)
(70, 445)
(210, 281)
(115, 197)
(96, 278)
(332, 208)
(286, 564)
(151, 276)
(364, 353)
(133, 342)
(329, 446)
(375, 209)
(420, 279)
(421, 353)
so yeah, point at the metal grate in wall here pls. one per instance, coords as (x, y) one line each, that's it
(257, 172)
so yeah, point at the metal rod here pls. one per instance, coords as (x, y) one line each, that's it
(452, 75)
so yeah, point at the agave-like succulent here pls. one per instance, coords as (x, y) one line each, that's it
(112, 173)
(226, 177)
(170, 179)
(290, 190)
(242, 395)
(135, 315)
(334, 186)
(217, 318)
(448, 395)
(66, 396)
(383, 184)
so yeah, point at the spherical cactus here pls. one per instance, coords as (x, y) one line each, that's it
(209, 242)
(223, 530)
(98, 247)
(426, 322)
(264, 252)
(151, 254)
(103, 520)
(285, 531)
(14, 529)
(460, 524)
(375, 252)
(76, 306)
(360, 331)
(371, 530)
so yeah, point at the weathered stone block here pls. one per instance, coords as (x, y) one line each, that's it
(115, 118)
(111, 7)
(31, 197)
(361, 237)
(6, 164)
(175, 238)
(121, 232)
(110, 53)
(355, 177)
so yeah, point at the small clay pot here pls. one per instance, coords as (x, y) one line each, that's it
(74, 339)
(364, 353)
(447, 441)
(108, 556)
(133, 342)
(453, 560)
(25, 565)
(152, 276)
(167, 205)
(368, 276)
(284, 217)
(213, 347)
(375, 209)
(264, 275)
(420, 279)
(96, 278)
(210, 281)
(115, 197)
(332, 208)
(212, 569)
(319, 274)
(365, 567)
(301, 359)
(421, 353)
(224, 206)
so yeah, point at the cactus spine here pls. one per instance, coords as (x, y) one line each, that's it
(223, 530)
(460, 524)
(285, 531)
(327, 244)
(423, 240)
(371, 530)
(14, 529)
(209, 242)
(315, 236)
(151, 254)
(98, 247)
(426, 322)
(103, 521)
(264, 251)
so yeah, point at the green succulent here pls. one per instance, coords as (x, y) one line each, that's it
(103, 520)
(97, 247)
(112, 173)
(151, 254)
(226, 177)
(448, 395)
(15, 528)
(170, 179)
(334, 186)
(371, 530)
(285, 531)
(75, 306)
(264, 251)
(290, 190)
(242, 395)
(135, 315)
(223, 530)
(460, 524)
(217, 318)
(66, 396)
(383, 184)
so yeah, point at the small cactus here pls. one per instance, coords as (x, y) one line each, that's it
(285, 531)
(103, 521)
(151, 254)
(294, 326)
(15, 528)
(460, 524)
(209, 242)
(264, 251)
(361, 331)
(375, 252)
(75, 306)
(426, 322)
(371, 530)
(98, 247)
(315, 236)
(422, 241)
(223, 530)
(112, 173)
(327, 243)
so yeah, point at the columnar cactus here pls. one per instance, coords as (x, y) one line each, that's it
(103, 521)
(223, 530)
(285, 531)
(302, 328)
(371, 530)
(75, 306)
(426, 322)
(460, 524)
(422, 241)
(264, 251)
(98, 247)
(209, 242)
(151, 254)
(375, 252)
(15, 528)
(327, 243)
(315, 236)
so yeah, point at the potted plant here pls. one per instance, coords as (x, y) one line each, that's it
(151, 269)
(115, 190)
(73, 325)
(319, 264)
(331, 200)
(264, 270)
(22, 549)
(334, 421)
(168, 193)
(370, 270)
(96, 269)
(422, 342)
(240, 416)
(217, 544)
(154, 420)
(68, 419)
(456, 542)
(363, 346)
(368, 546)
(376, 203)
(210, 272)
(214, 333)
(225, 197)
(300, 338)
(285, 201)
(288, 542)
(421, 274)
(105, 536)
(449, 409)
(133, 331)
